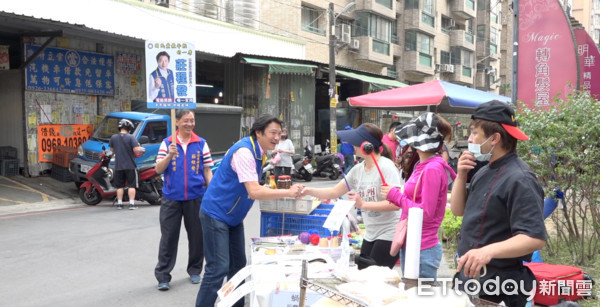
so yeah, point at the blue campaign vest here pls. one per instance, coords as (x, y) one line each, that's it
(226, 199)
(166, 91)
(184, 176)
(347, 148)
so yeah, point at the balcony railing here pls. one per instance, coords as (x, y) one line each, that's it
(312, 29)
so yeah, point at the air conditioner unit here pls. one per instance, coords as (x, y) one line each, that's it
(448, 68)
(164, 3)
(355, 44)
(444, 68)
(346, 31)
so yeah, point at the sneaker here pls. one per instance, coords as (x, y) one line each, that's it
(132, 207)
(195, 279)
(163, 286)
(119, 207)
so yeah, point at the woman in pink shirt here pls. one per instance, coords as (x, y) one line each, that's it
(427, 187)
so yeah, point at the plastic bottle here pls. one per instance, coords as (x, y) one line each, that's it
(272, 182)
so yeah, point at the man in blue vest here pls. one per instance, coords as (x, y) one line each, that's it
(228, 199)
(185, 160)
(347, 150)
(161, 81)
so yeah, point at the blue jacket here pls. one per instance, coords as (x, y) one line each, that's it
(184, 177)
(226, 199)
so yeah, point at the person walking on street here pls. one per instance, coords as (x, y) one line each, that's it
(185, 159)
(227, 201)
(502, 208)
(125, 146)
(285, 149)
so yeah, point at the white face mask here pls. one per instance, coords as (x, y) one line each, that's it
(476, 150)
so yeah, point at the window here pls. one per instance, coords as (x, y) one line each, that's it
(310, 19)
(462, 57)
(394, 32)
(155, 131)
(495, 14)
(493, 40)
(447, 24)
(411, 4)
(377, 27)
(445, 57)
(427, 15)
(410, 41)
(481, 32)
(386, 3)
(470, 4)
(482, 5)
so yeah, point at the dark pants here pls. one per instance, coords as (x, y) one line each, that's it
(225, 256)
(170, 216)
(379, 250)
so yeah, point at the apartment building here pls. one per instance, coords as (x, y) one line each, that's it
(588, 14)
(412, 41)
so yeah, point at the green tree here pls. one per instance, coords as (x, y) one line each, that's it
(564, 152)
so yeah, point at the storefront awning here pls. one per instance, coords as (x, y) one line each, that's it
(375, 84)
(280, 67)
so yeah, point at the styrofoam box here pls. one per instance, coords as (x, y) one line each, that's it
(268, 205)
(305, 204)
(286, 204)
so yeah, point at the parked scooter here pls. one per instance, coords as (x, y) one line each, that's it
(302, 169)
(325, 164)
(99, 183)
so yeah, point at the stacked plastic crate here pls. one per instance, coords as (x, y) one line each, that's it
(61, 158)
(283, 223)
(9, 164)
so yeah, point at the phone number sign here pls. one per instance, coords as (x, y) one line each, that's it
(52, 136)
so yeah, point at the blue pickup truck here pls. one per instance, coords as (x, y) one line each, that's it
(152, 128)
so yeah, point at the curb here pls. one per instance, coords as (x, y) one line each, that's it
(56, 204)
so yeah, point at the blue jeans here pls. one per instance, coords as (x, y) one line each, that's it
(429, 262)
(224, 254)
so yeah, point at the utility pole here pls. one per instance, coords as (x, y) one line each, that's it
(515, 54)
(332, 83)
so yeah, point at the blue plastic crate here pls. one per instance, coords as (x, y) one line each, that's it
(277, 223)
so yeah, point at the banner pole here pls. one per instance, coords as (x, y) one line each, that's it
(173, 134)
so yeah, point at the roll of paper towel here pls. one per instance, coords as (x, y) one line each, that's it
(413, 243)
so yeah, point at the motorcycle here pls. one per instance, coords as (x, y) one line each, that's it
(302, 168)
(326, 165)
(99, 183)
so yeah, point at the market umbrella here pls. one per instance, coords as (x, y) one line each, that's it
(435, 96)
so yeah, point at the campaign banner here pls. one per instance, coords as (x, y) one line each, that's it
(170, 67)
(547, 55)
(589, 71)
(51, 137)
(70, 71)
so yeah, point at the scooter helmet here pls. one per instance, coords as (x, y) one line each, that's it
(127, 124)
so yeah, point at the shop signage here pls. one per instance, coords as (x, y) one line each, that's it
(52, 136)
(70, 71)
(547, 58)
